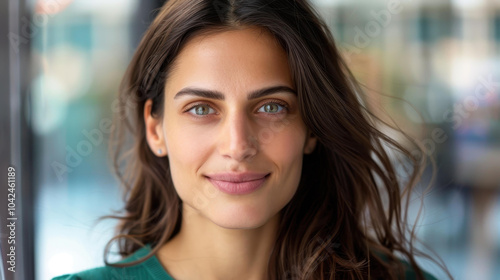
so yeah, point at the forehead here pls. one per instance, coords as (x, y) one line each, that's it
(234, 60)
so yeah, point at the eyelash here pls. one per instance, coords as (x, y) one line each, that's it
(281, 103)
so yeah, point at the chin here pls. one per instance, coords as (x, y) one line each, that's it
(240, 219)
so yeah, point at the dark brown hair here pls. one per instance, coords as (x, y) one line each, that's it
(346, 220)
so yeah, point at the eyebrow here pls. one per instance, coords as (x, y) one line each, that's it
(214, 94)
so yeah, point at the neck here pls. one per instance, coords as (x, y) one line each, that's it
(204, 250)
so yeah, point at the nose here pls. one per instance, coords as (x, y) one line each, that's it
(237, 140)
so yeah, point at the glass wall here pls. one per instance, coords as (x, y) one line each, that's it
(80, 51)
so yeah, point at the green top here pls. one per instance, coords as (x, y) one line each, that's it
(153, 270)
(148, 269)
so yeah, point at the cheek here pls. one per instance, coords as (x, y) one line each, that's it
(284, 143)
(188, 144)
(286, 150)
(187, 150)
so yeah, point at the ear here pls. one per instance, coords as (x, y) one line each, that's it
(310, 143)
(154, 131)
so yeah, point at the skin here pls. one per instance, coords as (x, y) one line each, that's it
(226, 236)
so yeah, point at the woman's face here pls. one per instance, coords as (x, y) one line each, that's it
(204, 135)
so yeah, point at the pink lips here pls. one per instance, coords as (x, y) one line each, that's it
(238, 183)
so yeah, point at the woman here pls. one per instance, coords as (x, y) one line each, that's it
(252, 154)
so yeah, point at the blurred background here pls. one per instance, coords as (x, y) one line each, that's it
(62, 61)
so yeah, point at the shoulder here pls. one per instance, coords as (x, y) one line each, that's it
(105, 272)
(131, 272)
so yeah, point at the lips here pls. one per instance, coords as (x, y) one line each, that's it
(238, 184)
(238, 177)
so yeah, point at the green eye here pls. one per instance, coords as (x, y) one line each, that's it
(273, 108)
(200, 109)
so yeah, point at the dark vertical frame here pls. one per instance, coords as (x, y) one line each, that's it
(5, 157)
(16, 135)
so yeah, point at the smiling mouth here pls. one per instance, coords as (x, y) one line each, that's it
(239, 188)
(237, 177)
